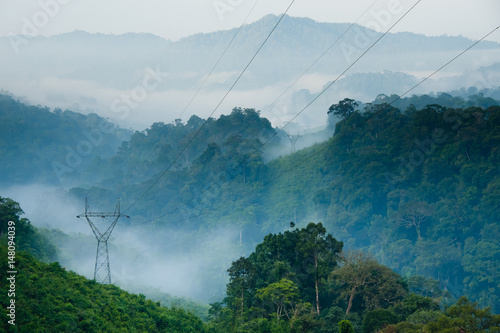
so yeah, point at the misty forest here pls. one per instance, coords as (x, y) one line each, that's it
(373, 206)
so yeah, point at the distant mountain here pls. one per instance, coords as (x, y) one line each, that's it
(367, 86)
(295, 43)
(93, 70)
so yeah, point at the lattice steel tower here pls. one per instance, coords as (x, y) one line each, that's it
(293, 140)
(102, 272)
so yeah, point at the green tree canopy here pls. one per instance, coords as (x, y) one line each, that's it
(344, 108)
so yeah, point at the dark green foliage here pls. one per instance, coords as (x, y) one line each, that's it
(26, 237)
(9, 211)
(418, 186)
(345, 326)
(39, 145)
(49, 298)
(344, 108)
(415, 183)
(426, 287)
(305, 256)
(241, 285)
(468, 99)
(367, 285)
(415, 187)
(464, 316)
(266, 294)
(469, 317)
(225, 151)
(29, 240)
(414, 303)
(197, 308)
(376, 319)
(328, 319)
(281, 281)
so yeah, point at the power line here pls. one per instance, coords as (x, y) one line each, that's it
(206, 78)
(314, 99)
(389, 104)
(216, 108)
(345, 71)
(163, 138)
(289, 87)
(319, 58)
(337, 138)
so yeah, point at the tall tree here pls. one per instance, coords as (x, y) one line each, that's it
(355, 273)
(414, 214)
(361, 275)
(9, 211)
(344, 108)
(314, 244)
(282, 294)
(241, 283)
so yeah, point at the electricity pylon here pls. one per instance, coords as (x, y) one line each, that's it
(102, 273)
(293, 140)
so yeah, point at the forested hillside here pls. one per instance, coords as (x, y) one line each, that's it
(301, 281)
(40, 145)
(296, 281)
(416, 185)
(400, 184)
(250, 167)
(184, 159)
(418, 188)
(50, 298)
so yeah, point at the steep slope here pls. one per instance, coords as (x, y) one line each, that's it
(417, 188)
(300, 281)
(49, 298)
(44, 296)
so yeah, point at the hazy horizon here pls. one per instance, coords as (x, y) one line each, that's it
(76, 76)
(190, 17)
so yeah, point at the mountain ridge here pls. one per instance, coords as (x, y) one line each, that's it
(96, 69)
(266, 21)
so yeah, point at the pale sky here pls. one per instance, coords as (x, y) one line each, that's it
(176, 19)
